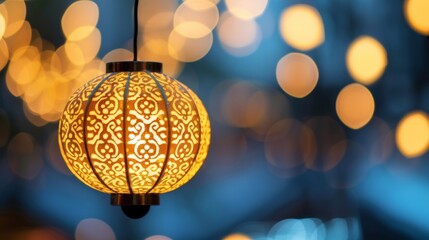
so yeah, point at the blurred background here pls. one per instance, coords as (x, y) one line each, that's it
(318, 111)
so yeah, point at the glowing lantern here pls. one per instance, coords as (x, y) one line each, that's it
(134, 133)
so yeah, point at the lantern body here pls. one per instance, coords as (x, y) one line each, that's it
(134, 133)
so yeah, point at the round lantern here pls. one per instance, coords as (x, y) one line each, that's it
(134, 133)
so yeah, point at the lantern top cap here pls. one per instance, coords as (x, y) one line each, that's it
(133, 66)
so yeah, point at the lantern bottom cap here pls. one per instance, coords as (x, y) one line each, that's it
(134, 199)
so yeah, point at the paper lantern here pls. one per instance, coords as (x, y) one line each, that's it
(134, 133)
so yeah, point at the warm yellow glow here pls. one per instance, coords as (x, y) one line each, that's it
(245, 9)
(301, 26)
(416, 13)
(189, 49)
(355, 105)
(412, 134)
(152, 8)
(196, 18)
(79, 20)
(83, 51)
(237, 236)
(297, 74)
(118, 55)
(157, 49)
(22, 38)
(238, 37)
(135, 133)
(2, 25)
(4, 54)
(16, 12)
(366, 60)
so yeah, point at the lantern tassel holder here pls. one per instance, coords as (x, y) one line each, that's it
(134, 133)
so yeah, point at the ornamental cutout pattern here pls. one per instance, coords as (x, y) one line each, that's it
(134, 133)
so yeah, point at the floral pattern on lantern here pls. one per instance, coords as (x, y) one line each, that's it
(134, 133)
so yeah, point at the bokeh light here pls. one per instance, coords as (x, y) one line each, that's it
(301, 26)
(21, 39)
(84, 50)
(24, 156)
(246, 9)
(196, 18)
(157, 49)
(366, 60)
(238, 37)
(118, 55)
(189, 49)
(355, 105)
(243, 105)
(79, 20)
(2, 26)
(4, 54)
(416, 13)
(289, 144)
(95, 229)
(158, 237)
(412, 134)
(297, 74)
(236, 236)
(16, 13)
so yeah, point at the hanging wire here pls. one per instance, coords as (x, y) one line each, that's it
(136, 28)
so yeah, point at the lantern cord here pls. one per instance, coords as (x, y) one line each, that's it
(136, 28)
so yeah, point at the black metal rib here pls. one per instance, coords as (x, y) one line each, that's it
(199, 138)
(84, 131)
(167, 108)
(124, 133)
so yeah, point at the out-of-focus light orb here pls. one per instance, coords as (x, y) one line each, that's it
(366, 60)
(416, 13)
(4, 54)
(243, 105)
(16, 12)
(355, 105)
(238, 37)
(2, 26)
(297, 74)
(85, 50)
(412, 134)
(245, 9)
(95, 229)
(189, 49)
(237, 236)
(24, 156)
(79, 20)
(156, 49)
(117, 55)
(158, 237)
(22, 38)
(149, 8)
(301, 26)
(196, 18)
(289, 144)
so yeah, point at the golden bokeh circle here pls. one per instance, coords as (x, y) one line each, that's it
(366, 60)
(355, 105)
(297, 74)
(412, 134)
(301, 26)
